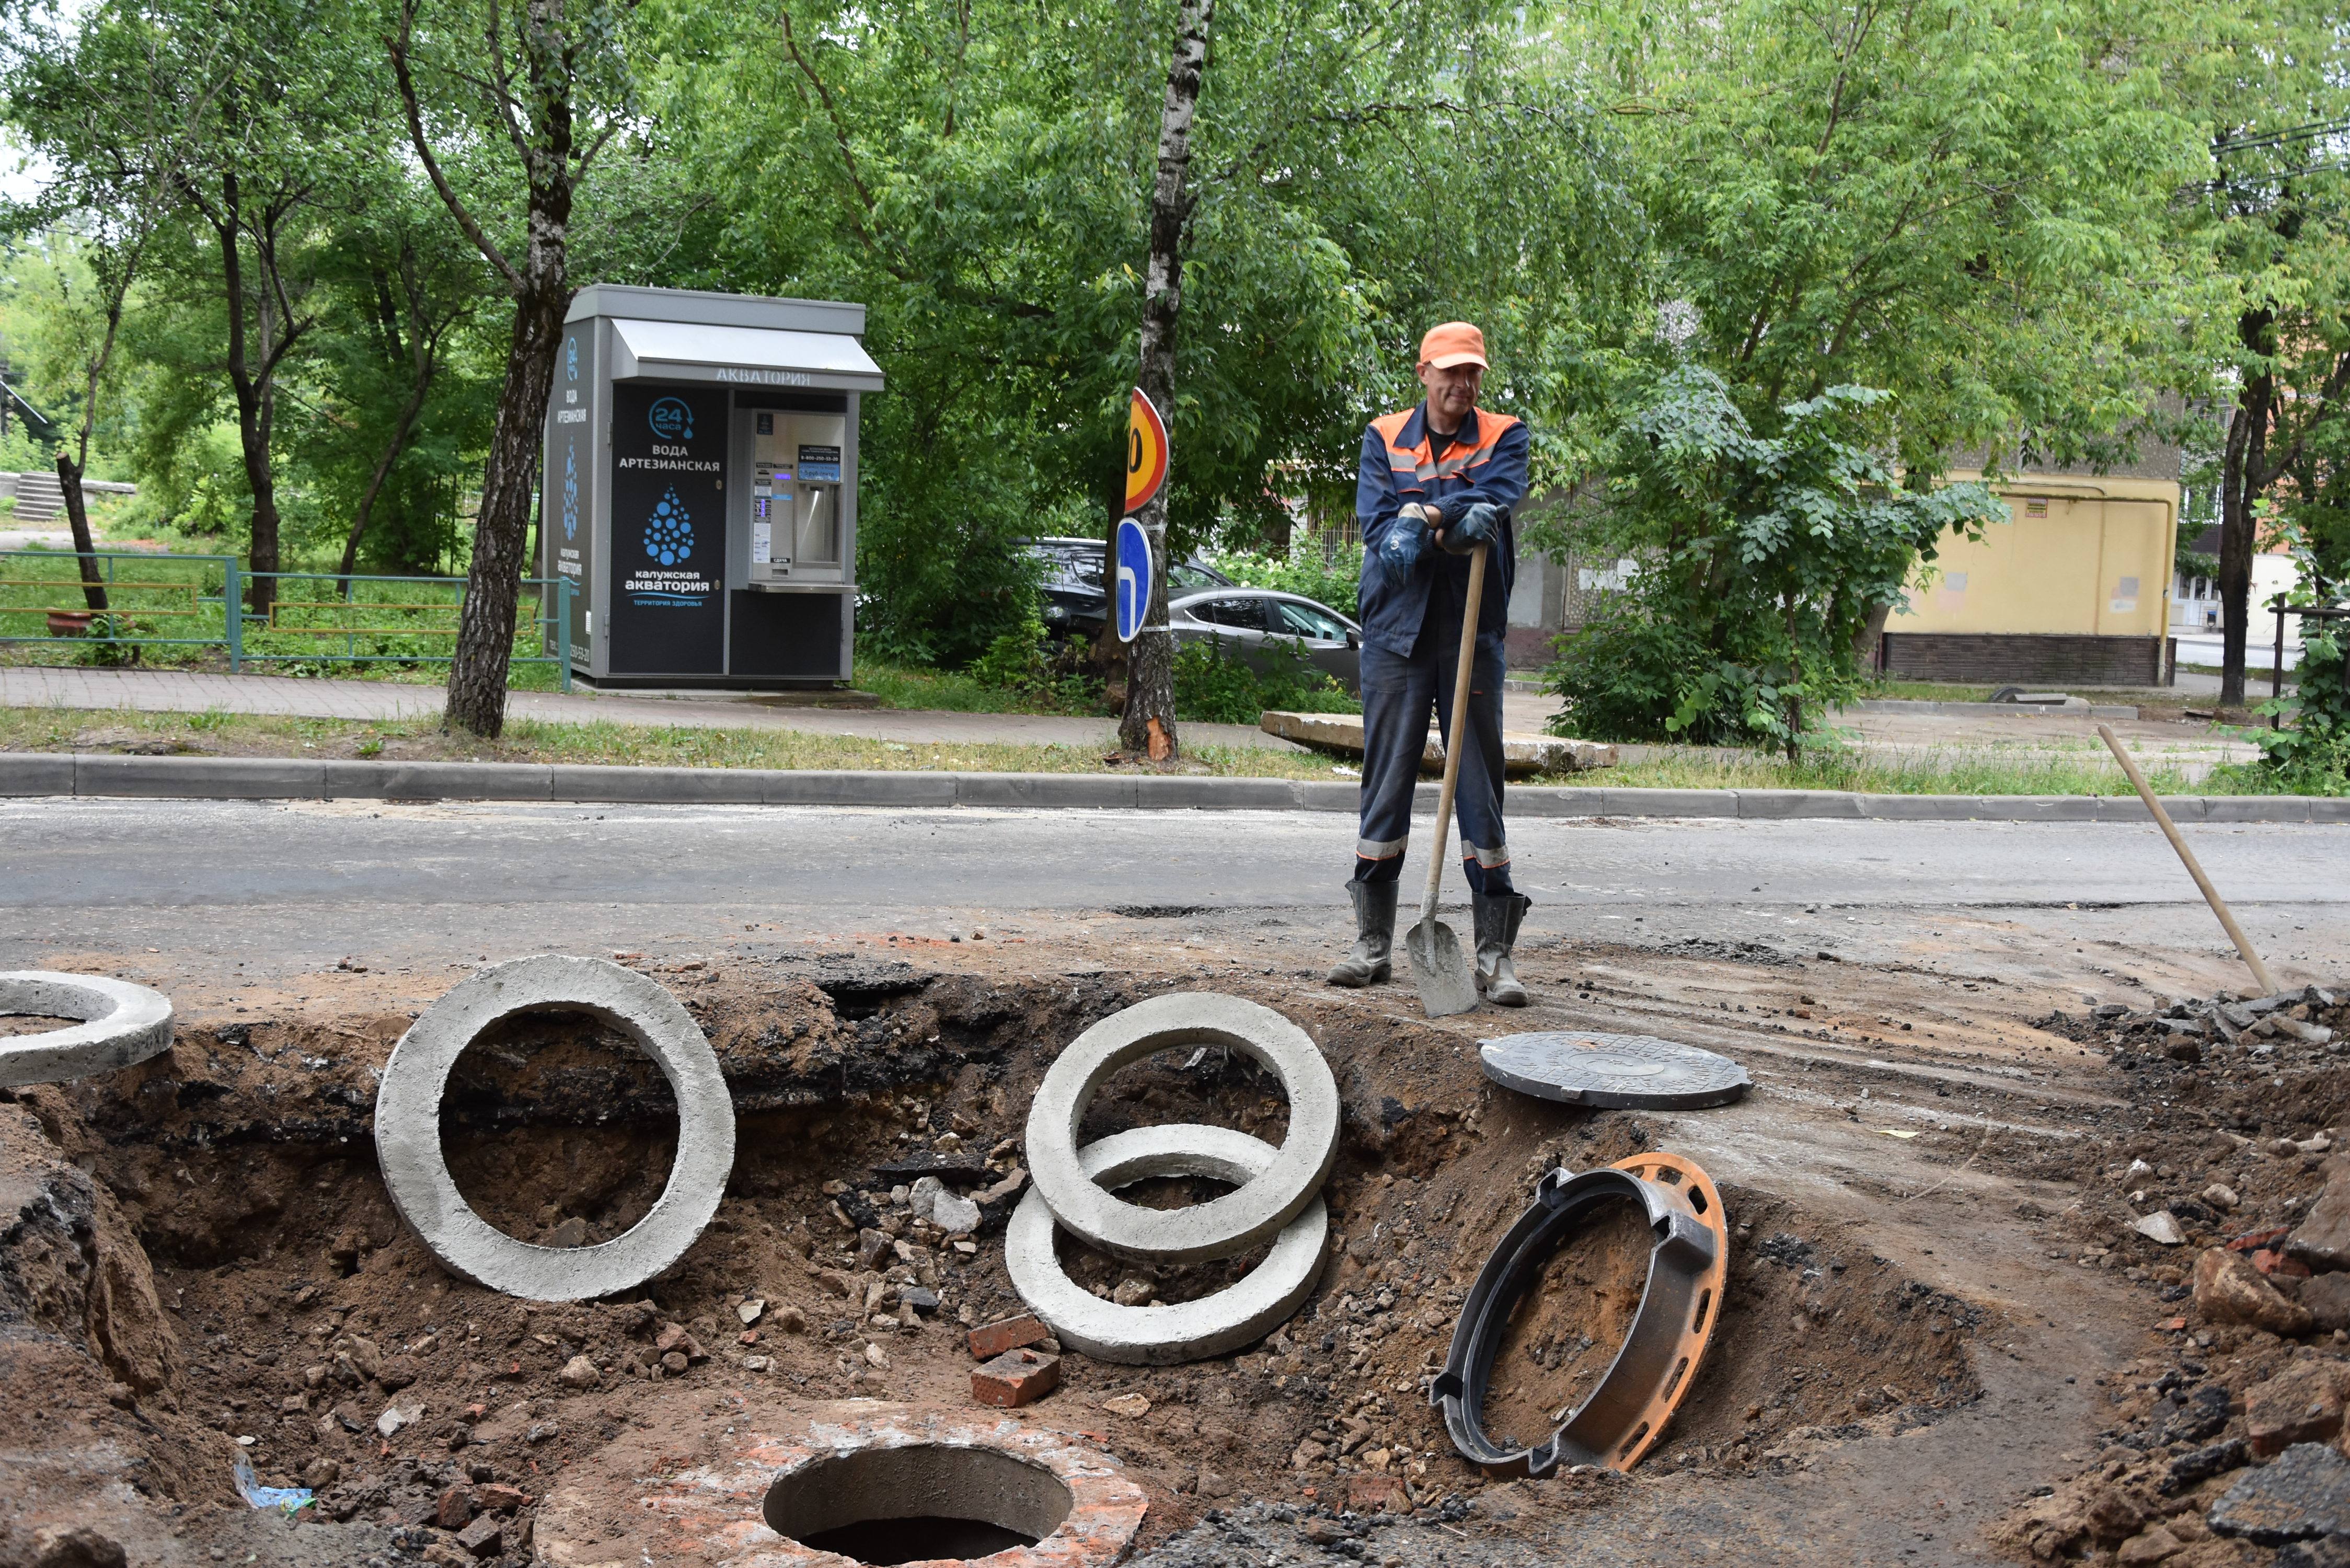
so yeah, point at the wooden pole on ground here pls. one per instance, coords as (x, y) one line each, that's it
(2210, 895)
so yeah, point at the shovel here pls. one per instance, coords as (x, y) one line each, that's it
(1442, 969)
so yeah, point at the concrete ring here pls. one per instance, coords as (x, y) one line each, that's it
(122, 1024)
(1233, 1223)
(1266, 1298)
(408, 1128)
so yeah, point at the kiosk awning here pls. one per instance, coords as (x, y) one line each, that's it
(742, 356)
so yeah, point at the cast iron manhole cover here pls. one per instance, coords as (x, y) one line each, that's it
(1637, 1072)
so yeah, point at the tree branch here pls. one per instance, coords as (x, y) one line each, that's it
(449, 197)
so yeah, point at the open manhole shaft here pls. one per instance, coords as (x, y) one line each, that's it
(1654, 1367)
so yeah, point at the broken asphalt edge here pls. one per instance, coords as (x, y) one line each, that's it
(102, 774)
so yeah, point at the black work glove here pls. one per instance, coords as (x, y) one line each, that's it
(1480, 523)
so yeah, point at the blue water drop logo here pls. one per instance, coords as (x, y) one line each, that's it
(570, 490)
(571, 358)
(672, 419)
(668, 532)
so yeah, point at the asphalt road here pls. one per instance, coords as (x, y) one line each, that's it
(297, 880)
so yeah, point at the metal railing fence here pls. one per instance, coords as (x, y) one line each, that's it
(167, 601)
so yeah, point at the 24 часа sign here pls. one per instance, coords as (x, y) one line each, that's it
(669, 530)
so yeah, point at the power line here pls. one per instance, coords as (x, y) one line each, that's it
(2278, 138)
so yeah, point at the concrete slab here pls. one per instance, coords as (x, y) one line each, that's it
(1523, 753)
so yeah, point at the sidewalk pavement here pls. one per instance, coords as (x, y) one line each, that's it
(379, 702)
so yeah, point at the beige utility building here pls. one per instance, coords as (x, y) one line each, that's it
(2074, 586)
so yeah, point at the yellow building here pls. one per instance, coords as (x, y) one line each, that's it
(2074, 586)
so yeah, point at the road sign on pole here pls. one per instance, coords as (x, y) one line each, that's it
(1146, 451)
(1131, 596)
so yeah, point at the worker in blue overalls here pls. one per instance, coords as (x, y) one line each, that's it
(1436, 482)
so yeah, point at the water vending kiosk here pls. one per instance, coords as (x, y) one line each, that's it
(700, 486)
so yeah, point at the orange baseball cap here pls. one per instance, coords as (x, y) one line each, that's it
(1454, 343)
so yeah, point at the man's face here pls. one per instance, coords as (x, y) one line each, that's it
(1451, 393)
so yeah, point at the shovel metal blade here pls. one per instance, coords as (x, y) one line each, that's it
(1440, 969)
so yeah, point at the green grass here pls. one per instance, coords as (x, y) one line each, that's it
(955, 692)
(625, 745)
(1952, 772)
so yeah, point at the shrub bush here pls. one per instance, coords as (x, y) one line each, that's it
(1212, 688)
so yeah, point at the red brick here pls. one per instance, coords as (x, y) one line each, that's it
(455, 1508)
(484, 1538)
(1012, 1333)
(1377, 1494)
(1018, 1376)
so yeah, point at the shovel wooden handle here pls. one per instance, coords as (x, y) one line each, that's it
(1460, 730)
(2250, 954)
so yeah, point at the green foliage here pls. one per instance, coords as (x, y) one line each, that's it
(1967, 205)
(1018, 659)
(938, 589)
(1214, 687)
(1762, 560)
(1335, 582)
(2310, 754)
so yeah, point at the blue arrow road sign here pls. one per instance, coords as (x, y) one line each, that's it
(1133, 592)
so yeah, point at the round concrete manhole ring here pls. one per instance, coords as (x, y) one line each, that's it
(408, 1128)
(857, 1481)
(1615, 1072)
(1625, 1411)
(1239, 1220)
(121, 1023)
(1242, 1314)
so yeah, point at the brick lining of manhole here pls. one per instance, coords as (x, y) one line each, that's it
(721, 1507)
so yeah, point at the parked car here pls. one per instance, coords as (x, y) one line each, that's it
(1077, 603)
(1258, 625)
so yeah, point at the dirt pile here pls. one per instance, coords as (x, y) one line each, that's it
(293, 1319)
(2240, 1150)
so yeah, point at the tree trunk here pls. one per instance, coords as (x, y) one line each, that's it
(255, 391)
(93, 591)
(486, 628)
(2240, 492)
(1150, 722)
(1869, 647)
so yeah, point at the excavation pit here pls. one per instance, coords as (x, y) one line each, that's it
(293, 1306)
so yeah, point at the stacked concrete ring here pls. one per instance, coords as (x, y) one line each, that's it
(1240, 1314)
(1233, 1223)
(121, 1023)
(408, 1128)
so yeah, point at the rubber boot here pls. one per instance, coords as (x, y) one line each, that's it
(1497, 916)
(1375, 913)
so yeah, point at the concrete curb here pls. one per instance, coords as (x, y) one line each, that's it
(104, 774)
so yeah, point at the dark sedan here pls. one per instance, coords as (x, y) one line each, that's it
(1258, 625)
(1076, 604)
